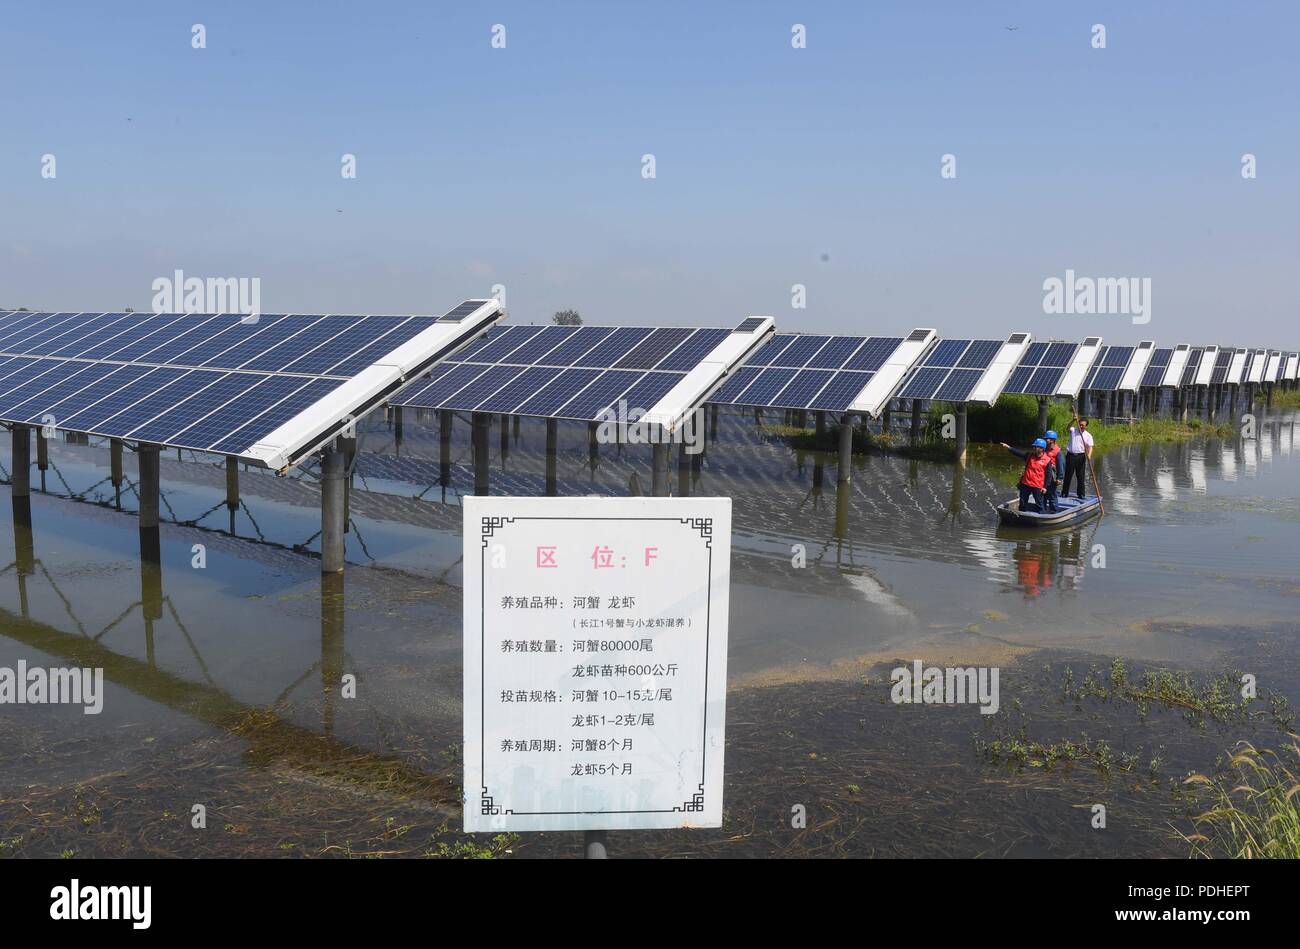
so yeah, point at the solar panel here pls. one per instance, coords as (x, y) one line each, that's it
(572, 372)
(1041, 369)
(1193, 366)
(212, 382)
(1221, 363)
(1108, 368)
(1155, 372)
(952, 370)
(823, 373)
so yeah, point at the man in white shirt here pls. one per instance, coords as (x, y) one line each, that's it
(1077, 452)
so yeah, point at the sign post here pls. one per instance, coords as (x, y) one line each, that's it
(595, 663)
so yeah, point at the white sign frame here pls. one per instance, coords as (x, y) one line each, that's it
(675, 776)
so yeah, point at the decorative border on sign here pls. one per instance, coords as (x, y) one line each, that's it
(694, 804)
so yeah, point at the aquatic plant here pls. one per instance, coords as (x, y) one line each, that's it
(1256, 812)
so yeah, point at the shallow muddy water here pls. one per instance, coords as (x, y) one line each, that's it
(214, 695)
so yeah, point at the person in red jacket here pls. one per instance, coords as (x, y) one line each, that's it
(1031, 482)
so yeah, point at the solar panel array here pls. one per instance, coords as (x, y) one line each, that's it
(1156, 368)
(565, 372)
(800, 371)
(212, 382)
(951, 370)
(1041, 368)
(1108, 369)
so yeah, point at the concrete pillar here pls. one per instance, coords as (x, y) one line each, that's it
(397, 425)
(659, 470)
(115, 461)
(444, 447)
(552, 455)
(684, 472)
(42, 450)
(593, 446)
(915, 434)
(844, 473)
(505, 440)
(819, 421)
(961, 433)
(886, 418)
(713, 423)
(21, 477)
(1042, 416)
(515, 429)
(333, 488)
(480, 422)
(150, 486)
(232, 482)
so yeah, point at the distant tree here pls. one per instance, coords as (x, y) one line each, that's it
(567, 318)
(130, 309)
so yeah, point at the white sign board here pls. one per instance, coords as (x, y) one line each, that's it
(595, 662)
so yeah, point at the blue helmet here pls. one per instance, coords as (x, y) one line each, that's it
(1039, 443)
(1051, 435)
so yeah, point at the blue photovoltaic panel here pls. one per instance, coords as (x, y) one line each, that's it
(823, 373)
(780, 342)
(189, 380)
(255, 400)
(613, 347)
(948, 352)
(688, 355)
(481, 387)
(436, 392)
(1108, 368)
(643, 362)
(558, 391)
(800, 351)
(654, 348)
(736, 383)
(574, 348)
(649, 389)
(247, 436)
(769, 382)
(1222, 363)
(874, 353)
(959, 385)
(512, 395)
(537, 348)
(804, 387)
(1116, 356)
(1041, 368)
(1155, 371)
(924, 382)
(951, 370)
(835, 352)
(1193, 366)
(980, 354)
(602, 392)
(840, 391)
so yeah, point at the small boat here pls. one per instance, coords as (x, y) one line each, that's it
(1071, 511)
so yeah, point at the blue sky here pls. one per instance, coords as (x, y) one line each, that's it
(775, 166)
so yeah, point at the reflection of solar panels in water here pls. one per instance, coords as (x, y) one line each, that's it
(797, 371)
(951, 370)
(1041, 368)
(569, 372)
(1155, 372)
(209, 382)
(1109, 368)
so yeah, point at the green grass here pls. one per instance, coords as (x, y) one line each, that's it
(1014, 419)
(1256, 806)
(1286, 399)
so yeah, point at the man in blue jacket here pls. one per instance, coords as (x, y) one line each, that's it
(1055, 471)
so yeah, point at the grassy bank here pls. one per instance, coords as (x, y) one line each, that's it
(1286, 399)
(1014, 419)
